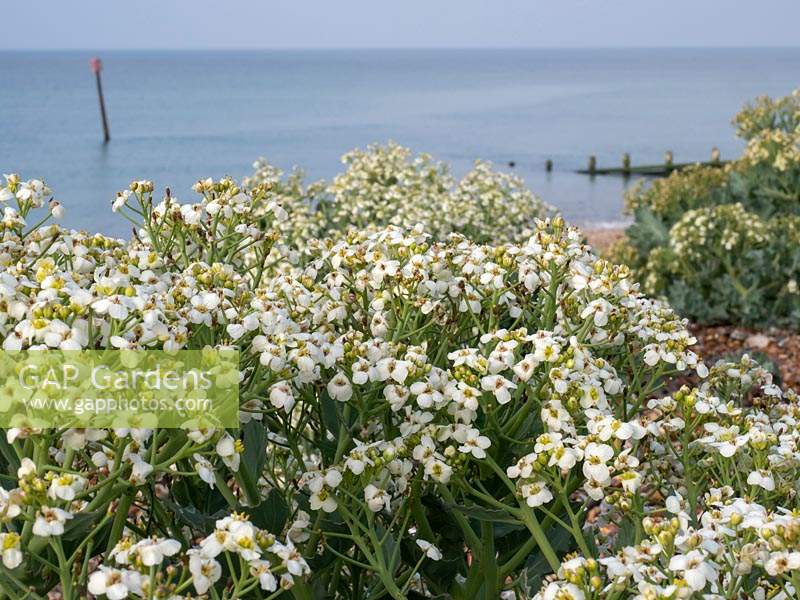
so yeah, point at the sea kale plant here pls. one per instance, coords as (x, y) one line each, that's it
(387, 185)
(420, 418)
(722, 245)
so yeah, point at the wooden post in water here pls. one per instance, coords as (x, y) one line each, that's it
(548, 165)
(97, 66)
(592, 164)
(626, 163)
(668, 158)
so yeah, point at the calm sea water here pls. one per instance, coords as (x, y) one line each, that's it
(179, 116)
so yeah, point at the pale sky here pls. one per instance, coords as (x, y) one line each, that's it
(244, 24)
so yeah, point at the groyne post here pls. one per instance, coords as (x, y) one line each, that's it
(97, 66)
(626, 163)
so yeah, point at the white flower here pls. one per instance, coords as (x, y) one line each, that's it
(50, 521)
(261, 569)
(205, 571)
(376, 498)
(203, 304)
(323, 499)
(228, 451)
(631, 480)
(339, 388)
(594, 489)
(321, 486)
(426, 395)
(115, 584)
(57, 210)
(546, 349)
(358, 460)
(782, 562)
(116, 307)
(430, 550)
(524, 466)
(6, 195)
(293, 561)
(726, 440)
(600, 309)
(499, 386)
(535, 493)
(140, 470)
(10, 547)
(65, 486)
(438, 470)
(651, 355)
(32, 191)
(595, 457)
(383, 268)
(562, 591)
(204, 469)
(696, 570)
(762, 479)
(298, 532)
(675, 504)
(391, 368)
(153, 551)
(281, 396)
(472, 442)
(235, 330)
(120, 200)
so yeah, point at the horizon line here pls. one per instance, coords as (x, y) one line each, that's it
(385, 48)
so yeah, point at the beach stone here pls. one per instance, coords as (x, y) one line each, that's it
(759, 341)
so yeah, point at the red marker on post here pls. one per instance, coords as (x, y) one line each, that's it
(97, 66)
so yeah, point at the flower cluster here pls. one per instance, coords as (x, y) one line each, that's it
(385, 185)
(712, 522)
(300, 200)
(769, 113)
(411, 366)
(731, 548)
(264, 563)
(735, 226)
(420, 415)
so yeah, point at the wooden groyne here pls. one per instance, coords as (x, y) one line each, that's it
(97, 66)
(656, 170)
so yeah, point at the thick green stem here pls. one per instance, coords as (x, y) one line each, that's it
(488, 558)
(120, 519)
(533, 525)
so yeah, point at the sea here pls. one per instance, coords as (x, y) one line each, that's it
(176, 117)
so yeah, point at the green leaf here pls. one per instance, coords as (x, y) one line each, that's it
(648, 231)
(271, 514)
(253, 458)
(255, 446)
(626, 534)
(388, 547)
(194, 518)
(9, 457)
(330, 413)
(80, 525)
(440, 574)
(494, 515)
